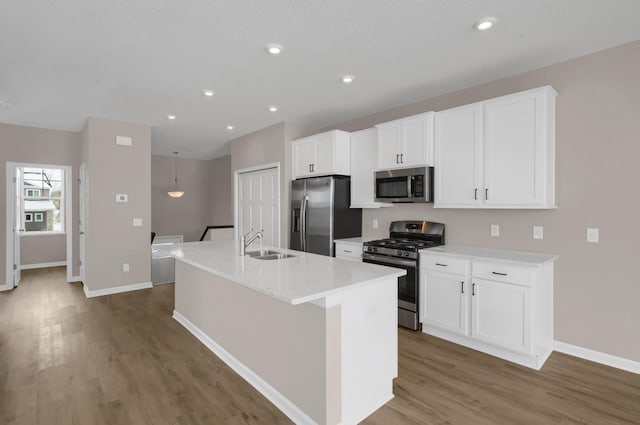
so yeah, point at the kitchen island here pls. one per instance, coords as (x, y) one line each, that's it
(316, 335)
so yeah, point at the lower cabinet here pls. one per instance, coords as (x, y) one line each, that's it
(348, 251)
(500, 309)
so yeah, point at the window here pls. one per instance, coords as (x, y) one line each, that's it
(42, 200)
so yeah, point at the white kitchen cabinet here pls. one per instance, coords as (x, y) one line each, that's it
(485, 300)
(349, 251)
(322, 154)
(406, 142)
(501, 314)
(446, 303)
(363, 165)
(498, 153)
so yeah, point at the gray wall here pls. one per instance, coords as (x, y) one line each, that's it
(42, 146)
(111, 239)
(220, 194)
(189, 214)
(597, 174)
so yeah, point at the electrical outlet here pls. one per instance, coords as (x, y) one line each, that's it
(538, 232)
(137, 222)
(374, 223)
(495, 230)
(593, 234)
(125, 267)
(122, 197)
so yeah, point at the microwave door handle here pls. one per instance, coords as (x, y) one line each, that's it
(303, 223)
(410, 186)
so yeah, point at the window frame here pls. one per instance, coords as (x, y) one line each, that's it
(62, 200)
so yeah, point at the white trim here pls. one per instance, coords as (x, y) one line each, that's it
(75, 279)
(598, 357)
(10, 212)
(263, 167)
(116, 289)
(274, 396)
(42, 265)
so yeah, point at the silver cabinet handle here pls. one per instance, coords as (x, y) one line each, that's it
(499, 274)
(473, 289)
(486, 194)
(401, 158)
(475, 193)
(397, 161)
(462, 287)
(346, 250)
(442, 265)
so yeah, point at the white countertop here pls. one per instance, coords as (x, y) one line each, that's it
(530, 259)
(296, 280)
(354, 241)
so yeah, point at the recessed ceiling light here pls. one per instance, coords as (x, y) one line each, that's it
(171, 117)
(230, 127)
(208, 93)
(484, 24)
(273, 108)
(348, 79)
(274, 49)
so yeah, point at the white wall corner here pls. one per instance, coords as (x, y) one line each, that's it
(598, 357)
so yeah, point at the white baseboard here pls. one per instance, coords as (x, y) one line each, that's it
(75, 279)
(598, 357)
(275, 397)
(42, 265)
(116, 289)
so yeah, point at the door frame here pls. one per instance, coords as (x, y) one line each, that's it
(11, 217)
(236, 176)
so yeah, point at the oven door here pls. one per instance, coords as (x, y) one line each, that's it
(407, 287)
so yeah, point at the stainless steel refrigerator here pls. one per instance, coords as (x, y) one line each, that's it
(320, 213)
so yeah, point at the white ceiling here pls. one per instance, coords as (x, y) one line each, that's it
(140, 60)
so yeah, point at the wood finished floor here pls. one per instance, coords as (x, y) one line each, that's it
(122, 359)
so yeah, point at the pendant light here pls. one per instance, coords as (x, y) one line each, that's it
(175, 191)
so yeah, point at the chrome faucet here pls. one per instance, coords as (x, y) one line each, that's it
(245, 243)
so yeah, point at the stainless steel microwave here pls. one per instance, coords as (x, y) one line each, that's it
(404, 185)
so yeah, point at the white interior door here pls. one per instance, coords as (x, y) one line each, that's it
(81, 219)
(258, 202)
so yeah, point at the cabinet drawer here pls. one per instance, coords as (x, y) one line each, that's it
(444, 264)
(348, 251)
(503, 273)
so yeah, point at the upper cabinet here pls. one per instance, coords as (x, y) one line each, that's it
(322, 154)
(499, 153)
(363, 164)
(406, 142)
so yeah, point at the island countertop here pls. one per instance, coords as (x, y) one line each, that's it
(295, 280)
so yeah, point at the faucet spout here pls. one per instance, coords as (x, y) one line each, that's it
(244, 243)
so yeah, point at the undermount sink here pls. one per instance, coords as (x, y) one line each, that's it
(274, 256)
(261, 253)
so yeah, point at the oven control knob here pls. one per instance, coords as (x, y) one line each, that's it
(406, 254)
(400, 253)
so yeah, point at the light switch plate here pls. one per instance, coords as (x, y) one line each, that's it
(538, 232)
(593, 234)
(122, 197)
(495, 230)
(124, 141)
(125, 267)
(137, 222)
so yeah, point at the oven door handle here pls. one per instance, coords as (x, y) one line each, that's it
(390, 260)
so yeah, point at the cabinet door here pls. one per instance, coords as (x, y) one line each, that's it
(323, 162)
(303, 157)
(501, 314)
(458, 161)
(389, 137)
(363, 164)
(514, 150)
(444, 301)
(417, 146)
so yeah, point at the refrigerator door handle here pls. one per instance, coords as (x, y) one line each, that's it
(303, 223)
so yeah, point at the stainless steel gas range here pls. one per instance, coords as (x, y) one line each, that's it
(400, 250)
